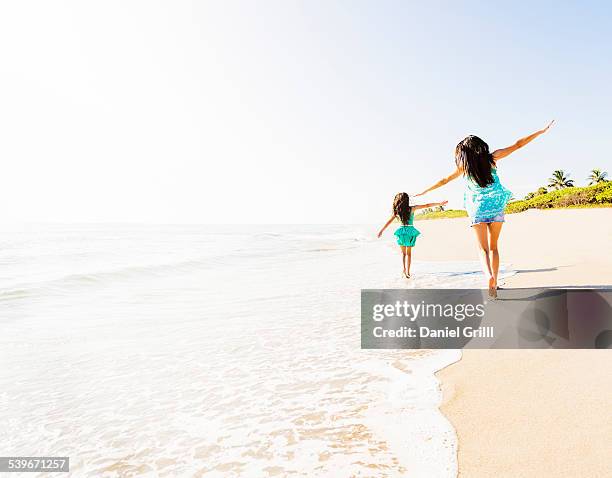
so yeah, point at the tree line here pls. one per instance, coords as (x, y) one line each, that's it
(561, 180)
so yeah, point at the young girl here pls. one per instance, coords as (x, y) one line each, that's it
(484, 198)
(406, 234)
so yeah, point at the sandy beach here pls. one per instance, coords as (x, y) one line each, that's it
(532, 412)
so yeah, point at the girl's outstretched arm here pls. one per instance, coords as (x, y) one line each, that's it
(431, 204)
(502, 153)
(442, 182)
(386, 225)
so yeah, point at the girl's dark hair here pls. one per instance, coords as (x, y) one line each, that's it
(473, 157)
(401, 207)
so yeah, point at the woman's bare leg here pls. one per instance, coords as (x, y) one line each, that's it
(494, 232)
(408, 260)
(403, 251)
(481, 231)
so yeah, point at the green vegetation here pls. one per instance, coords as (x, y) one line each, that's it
(598, 195)
(563, 195)
(559, 180)
(429, 214)
(597, 176)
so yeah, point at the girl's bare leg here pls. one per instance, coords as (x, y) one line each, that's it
(408, 260)
(403, 250)
(494, 232)
(481, 231)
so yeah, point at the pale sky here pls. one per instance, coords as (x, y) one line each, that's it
(284, 111)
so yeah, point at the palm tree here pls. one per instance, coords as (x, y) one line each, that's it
(597, 176)
(559, 180)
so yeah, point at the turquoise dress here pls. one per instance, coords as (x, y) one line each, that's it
(485, 204)
(407, 233)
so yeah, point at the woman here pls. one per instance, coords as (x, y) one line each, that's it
(484, 197)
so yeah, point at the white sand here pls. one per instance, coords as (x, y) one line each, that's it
(533, 413)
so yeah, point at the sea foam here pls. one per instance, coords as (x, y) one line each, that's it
(214, 351)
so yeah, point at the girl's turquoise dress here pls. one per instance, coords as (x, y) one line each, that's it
(485, 204)
(407, 233)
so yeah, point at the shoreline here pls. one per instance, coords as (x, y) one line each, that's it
(532, 412)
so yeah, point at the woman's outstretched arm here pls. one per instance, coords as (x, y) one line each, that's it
(386, 225)
(431, 204)
(442, 182)
(502, 153)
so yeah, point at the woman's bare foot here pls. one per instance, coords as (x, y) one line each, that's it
(492, 288)
(406, 275)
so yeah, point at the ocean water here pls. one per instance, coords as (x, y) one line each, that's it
(214, 351)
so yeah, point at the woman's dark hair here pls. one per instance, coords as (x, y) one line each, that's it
(401, 207)
(473, 157)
